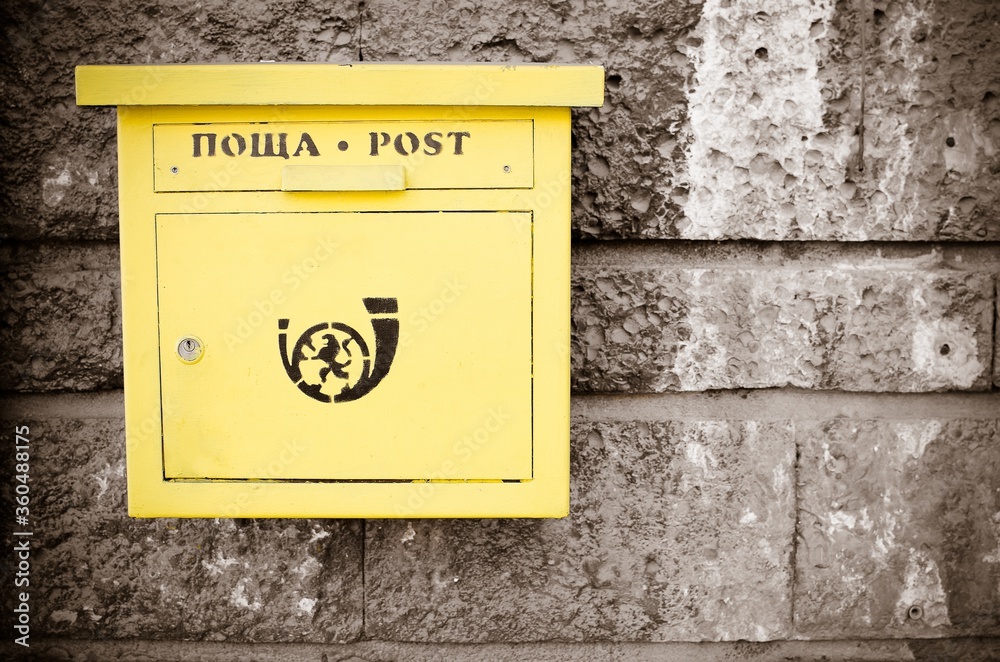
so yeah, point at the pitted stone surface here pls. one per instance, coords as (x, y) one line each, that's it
(61, 322)
(899, 529)
(677, 531)
(624, 151)
(99, 574)
(59, 166)
(859, 330)
(824, 120)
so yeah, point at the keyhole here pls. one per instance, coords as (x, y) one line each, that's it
(190, 350)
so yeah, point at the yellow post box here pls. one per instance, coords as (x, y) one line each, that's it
(345, 289)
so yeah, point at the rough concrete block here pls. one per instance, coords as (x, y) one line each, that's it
(59, 170)
(858, 330)
(677, 531)
(98, 574)
(61, 320)
(625, 152)
(899, 529)
(758, 129)
(842, 121)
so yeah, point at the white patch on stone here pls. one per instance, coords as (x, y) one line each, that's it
(754, 106)
(780, 481)
(749, 517)
(702, 357)
(238, 597)
(103, 478)
(54, 188)
(220, 564)
(886, 538)
(895, 207)
(63, 616)
(958, 366)
(308, 567)
(409, 535)
(318, 534)
(922, 588)
(865, 522)
(916, 435)
(440, 581)
(307, 605)
(840, 521)
(701, 456)
(995, 556)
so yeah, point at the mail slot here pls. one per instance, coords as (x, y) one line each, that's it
(345, 289)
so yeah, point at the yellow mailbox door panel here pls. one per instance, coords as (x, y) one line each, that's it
(346, 346)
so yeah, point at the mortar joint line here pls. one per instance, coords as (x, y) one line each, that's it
(796, 529)
(994, 366)
(864, 71)
(361, 30)
(364, 584)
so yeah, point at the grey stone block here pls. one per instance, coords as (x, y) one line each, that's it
(677, 531)
(650, 330)
(61, 320)
(899, 529)
(96, 573)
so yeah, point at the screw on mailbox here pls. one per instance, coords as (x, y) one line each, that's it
(174, 170)
(506, 168)
(189, 349)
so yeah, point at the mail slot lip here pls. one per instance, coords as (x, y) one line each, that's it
(437, 154)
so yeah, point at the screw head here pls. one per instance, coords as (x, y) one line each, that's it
(174, 169)
(190, 349)
(915, 612)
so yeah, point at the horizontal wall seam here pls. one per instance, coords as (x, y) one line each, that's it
(915, 256)
(764, 404)
(784, 405)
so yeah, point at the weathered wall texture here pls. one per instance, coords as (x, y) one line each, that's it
(786, 421)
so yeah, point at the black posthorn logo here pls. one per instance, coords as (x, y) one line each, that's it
(331, 362)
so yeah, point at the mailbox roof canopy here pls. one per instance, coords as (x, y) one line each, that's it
(340, 84)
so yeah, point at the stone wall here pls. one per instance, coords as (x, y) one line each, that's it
(786, 374)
